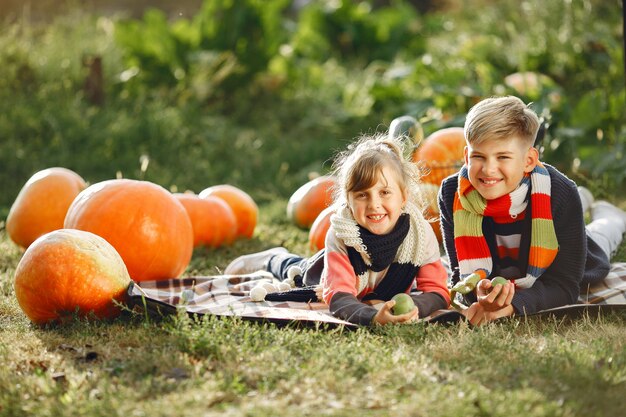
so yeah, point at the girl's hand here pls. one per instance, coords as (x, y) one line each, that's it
(494, 298)
(477, 315)
(385, 316)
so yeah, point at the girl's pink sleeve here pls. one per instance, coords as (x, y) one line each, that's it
(432, 277)
(338, 275)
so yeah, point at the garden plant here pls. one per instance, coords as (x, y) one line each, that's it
(258, 95)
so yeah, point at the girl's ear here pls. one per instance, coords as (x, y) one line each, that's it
(532, 158)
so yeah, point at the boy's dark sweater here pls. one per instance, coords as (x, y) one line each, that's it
(579, 261)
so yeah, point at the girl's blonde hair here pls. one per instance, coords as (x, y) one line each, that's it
(360, 166)
(501, 118)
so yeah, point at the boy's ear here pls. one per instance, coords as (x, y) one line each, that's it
(532, 158)
(466, 155)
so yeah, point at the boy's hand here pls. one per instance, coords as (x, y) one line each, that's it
(385, 316)
(494, 298)
(477, 315)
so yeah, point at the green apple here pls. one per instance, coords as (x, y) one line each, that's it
(404, 304)
(499, 280)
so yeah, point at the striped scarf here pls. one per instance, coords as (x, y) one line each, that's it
(403, 263)
(470, 208)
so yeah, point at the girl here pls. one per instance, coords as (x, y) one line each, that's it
(378, 244)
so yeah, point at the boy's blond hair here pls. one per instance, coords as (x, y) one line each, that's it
(501, 118)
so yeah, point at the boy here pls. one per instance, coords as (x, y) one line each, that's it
(507, 214)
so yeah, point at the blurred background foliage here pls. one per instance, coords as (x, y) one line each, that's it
(261, 93)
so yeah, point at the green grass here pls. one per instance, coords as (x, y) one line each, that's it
(137, 366)
(266, 137)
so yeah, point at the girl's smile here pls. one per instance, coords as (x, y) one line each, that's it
(378, 208)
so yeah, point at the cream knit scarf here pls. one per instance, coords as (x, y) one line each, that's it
(409, 256)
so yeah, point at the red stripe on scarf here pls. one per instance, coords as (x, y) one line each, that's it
(498, 206)
(504, 252)
(469, 247)
(509, 219)
(541, 206)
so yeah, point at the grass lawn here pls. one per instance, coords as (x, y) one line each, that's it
(136, 366)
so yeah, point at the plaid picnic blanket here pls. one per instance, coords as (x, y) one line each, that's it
(610, 291)
(229, 295)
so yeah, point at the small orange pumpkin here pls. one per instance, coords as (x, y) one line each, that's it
(243, 206)
(319, 228)
(309, 200)
(42, 203)
(70, 271)
(441, 154)
(143, 221)
(213, 221)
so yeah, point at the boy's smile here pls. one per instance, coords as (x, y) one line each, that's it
(496, 167)
(378, 208)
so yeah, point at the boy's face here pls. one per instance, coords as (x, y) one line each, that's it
(378, 208)
(496, 167)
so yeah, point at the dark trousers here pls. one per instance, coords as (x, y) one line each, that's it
(311, 268)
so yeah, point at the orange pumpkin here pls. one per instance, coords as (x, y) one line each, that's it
(70, 271)
(429, 194)
(441, 154)
(143, 221)
(317, 234)
(213, 221)
(41, 205)
(309, 200)
(245, 209)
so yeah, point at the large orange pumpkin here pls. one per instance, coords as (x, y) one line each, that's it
(441, 154)
(213, 221)
(245, 209)
(309, 200)
(143, 221)
(429, 194)
(67, 272)
(41, 205)
(319, 228)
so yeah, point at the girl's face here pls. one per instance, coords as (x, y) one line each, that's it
(496, 167)
(377, 208)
